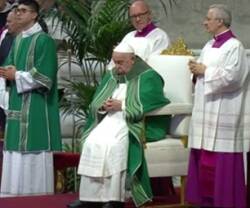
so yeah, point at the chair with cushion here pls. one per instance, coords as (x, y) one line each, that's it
(169, 157)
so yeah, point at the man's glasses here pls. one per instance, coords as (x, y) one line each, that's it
(23, 10)
(140, 15)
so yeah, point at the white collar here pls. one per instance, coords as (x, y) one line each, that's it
(222, 32)
(32, 30)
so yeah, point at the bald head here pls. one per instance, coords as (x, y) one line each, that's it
(11, 15)
(139, 4)
(12, 23)
(140, 14)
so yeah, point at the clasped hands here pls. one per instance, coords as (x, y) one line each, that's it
(196, 68)
(8, 72)
(112, 105)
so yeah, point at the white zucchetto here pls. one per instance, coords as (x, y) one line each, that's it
(123, 47)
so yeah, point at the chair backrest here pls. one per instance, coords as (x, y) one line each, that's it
(177, 88)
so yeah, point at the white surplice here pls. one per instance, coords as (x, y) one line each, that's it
(221, 114)
(103, 161)
(157, 39)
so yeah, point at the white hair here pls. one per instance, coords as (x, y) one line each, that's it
(223, 13)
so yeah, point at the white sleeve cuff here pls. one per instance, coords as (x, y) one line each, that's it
(25, 82)
(123, 105)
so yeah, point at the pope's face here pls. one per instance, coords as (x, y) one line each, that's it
(123, 62)
(211, 23)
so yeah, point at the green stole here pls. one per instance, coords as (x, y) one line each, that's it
(137, 180)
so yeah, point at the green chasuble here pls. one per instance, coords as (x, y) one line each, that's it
(33, 117)
(144, 94)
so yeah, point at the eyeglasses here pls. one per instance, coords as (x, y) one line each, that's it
(140, 15)
(23, 10)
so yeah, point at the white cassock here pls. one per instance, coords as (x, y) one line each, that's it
(221, 114)
(103, 160)
(25, 173)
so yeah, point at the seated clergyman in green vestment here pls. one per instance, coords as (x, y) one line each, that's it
(33, 127)
(112, 164)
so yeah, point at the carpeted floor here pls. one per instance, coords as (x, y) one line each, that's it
(162, 188)
(48, 201)
(61, 201)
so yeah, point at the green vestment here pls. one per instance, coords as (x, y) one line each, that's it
(33, 117)
(144, 94)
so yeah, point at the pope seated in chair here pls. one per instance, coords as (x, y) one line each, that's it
(112, 164)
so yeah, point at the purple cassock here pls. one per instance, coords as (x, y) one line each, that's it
(216, 179)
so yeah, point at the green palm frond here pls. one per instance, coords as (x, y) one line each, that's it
(167, 5)
(108, 36)
(74, 11)
(76, 101)
(109, 24)
(77, 97)
(85, 21)
(74, 16)
(110, 10)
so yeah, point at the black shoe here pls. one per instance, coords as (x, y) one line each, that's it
(113, 204)
(94, 204)
(76, 204)
(84, 204)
